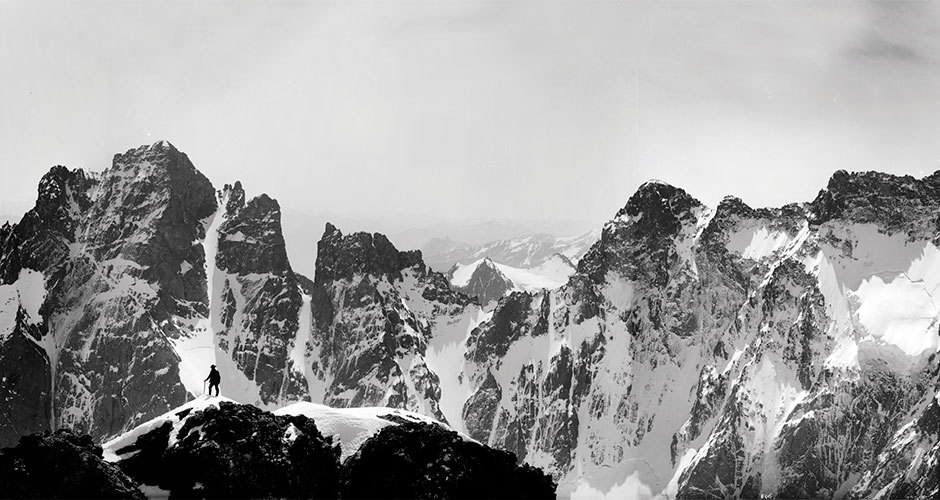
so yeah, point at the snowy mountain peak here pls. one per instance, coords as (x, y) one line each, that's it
(657, 228)
(162, 155)
(486, 282)
(662, 205)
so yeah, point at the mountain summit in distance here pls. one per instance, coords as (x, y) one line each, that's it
(688, 351)
(523, 252)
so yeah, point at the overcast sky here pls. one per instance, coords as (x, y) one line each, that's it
(477, 109)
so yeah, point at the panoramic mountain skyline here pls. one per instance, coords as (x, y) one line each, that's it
(576, 249)
(691, 351)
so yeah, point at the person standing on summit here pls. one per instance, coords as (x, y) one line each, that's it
(214, 378)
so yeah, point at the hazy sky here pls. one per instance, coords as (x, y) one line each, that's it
(476, 109)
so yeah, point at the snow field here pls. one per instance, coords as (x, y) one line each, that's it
(444, 357)
(759, 242)
(316, 388)
(882, 296)
(200, 349)
(198, 352)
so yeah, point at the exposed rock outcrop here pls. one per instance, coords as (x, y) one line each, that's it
(61, 465)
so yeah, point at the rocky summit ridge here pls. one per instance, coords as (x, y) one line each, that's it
(696, 352)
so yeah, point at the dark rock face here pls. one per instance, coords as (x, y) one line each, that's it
(341, 257)
(259, 327)
(907, 463)
(511, 321)
(487, 283)
(638, 243)
(40, 240)
(481, 408)
(897, 202)
(374, 309)
(123, 265)
(726, 472)
(26, 391)
(416, 460)
(157, 191)
(542, 415)
(812, 452)
(61, 465)
(237, 451)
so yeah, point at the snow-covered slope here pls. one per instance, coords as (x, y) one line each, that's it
(524, 252)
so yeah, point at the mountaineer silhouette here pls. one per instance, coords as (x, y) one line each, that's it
(214, 378)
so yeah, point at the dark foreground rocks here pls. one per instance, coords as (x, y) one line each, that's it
(240, 451)
(418, 460)
(61, 465)
(236, 451)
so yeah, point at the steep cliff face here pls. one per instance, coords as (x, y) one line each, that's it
(734, 352)
(111, 313)
(121, 288)
(257, 302)
(376, 311)
(103, 254)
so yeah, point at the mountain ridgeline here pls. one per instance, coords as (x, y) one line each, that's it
(695, 352)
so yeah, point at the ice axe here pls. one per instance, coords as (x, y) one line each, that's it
(204, 387)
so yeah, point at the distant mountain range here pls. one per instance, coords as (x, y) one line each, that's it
(302, 231)
(523, 252)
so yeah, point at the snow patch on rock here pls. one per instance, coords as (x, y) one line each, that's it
(351, 427)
